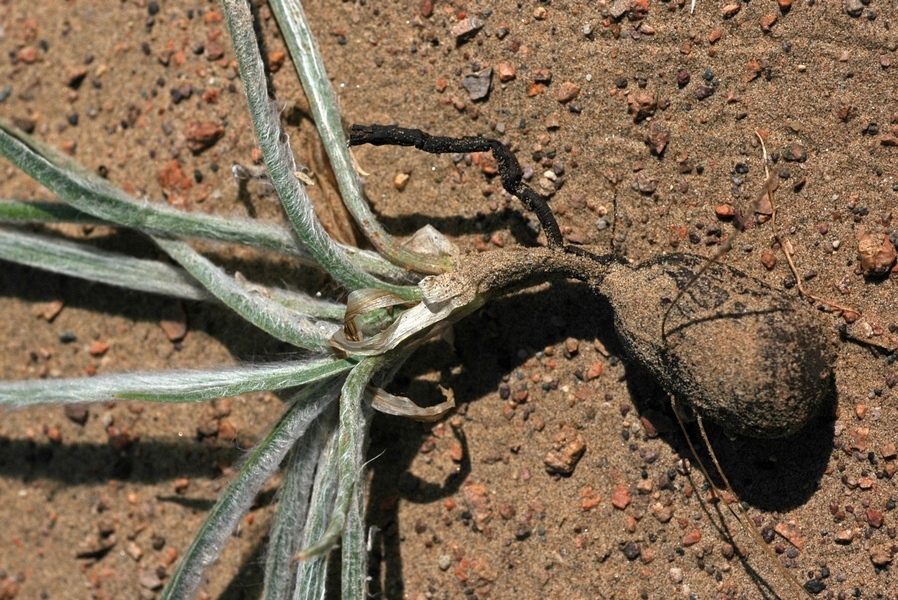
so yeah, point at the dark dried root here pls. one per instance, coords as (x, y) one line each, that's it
(509, 168)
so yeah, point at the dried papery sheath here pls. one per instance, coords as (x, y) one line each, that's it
(362, 302)
(447, 298)
(401, 406)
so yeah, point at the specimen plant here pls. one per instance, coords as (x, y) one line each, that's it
(323, 490)
(353, 349)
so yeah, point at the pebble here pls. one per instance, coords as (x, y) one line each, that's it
(790, 532)
(814, 586)
(174, 323)
(400, 180)
(75, 77)
(50, 310)
(478, 84)
(589, 498)
(676, 575)
(876, 253)
(768, 21)
(692, 538)
(844, 537)
(683, 77)
(619, 8)
(655, 423)
(642, 105)
(568, 91)
(568, 449)
(645, 183)
(854, 8)
(795, 153)
(632, 550)
(466, 28)
(730, 10)
(149, 580)
(444, 562)
(704, 91)
(724, 211)
(506, 72)
(657, 137)
(874, 517)
(479, 504)
(662, 513)
(77, 413)
(768, 259)
(621, 497)
(202, 135)
(881, 555)
(98, 348)
(594, 371)
(133, 550)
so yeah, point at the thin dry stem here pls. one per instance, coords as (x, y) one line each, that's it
(768, 190)
(741, 516)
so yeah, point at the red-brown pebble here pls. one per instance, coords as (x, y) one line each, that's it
(507, 511)
(874, 517)
(567, 450)
(881, 554)
(768, 21)
(692, 538)
(568, 91)
(790, 532)
(724, 211)
(120, 439)
(506, 72)
(877, 254)
(174, 324)
(276, 60)
(621, 497)
(181, 484)
(456, 451)
(594, 371)
(844, 537)
(226, 431)
(768, 259)
(589, 498)
(98, 348)
(54, 435)
(479, 505)
(730, 10)
(202, 135)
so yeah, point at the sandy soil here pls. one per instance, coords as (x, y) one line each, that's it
(467, 507)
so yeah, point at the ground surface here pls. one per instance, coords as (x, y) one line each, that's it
(470, 509)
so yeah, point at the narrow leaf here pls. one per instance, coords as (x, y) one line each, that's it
(93, 264)
(171, 386)
(239, 495)
(256, 308)
(311, 573)
(309, 65)
(293, 503)
(281, 165)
